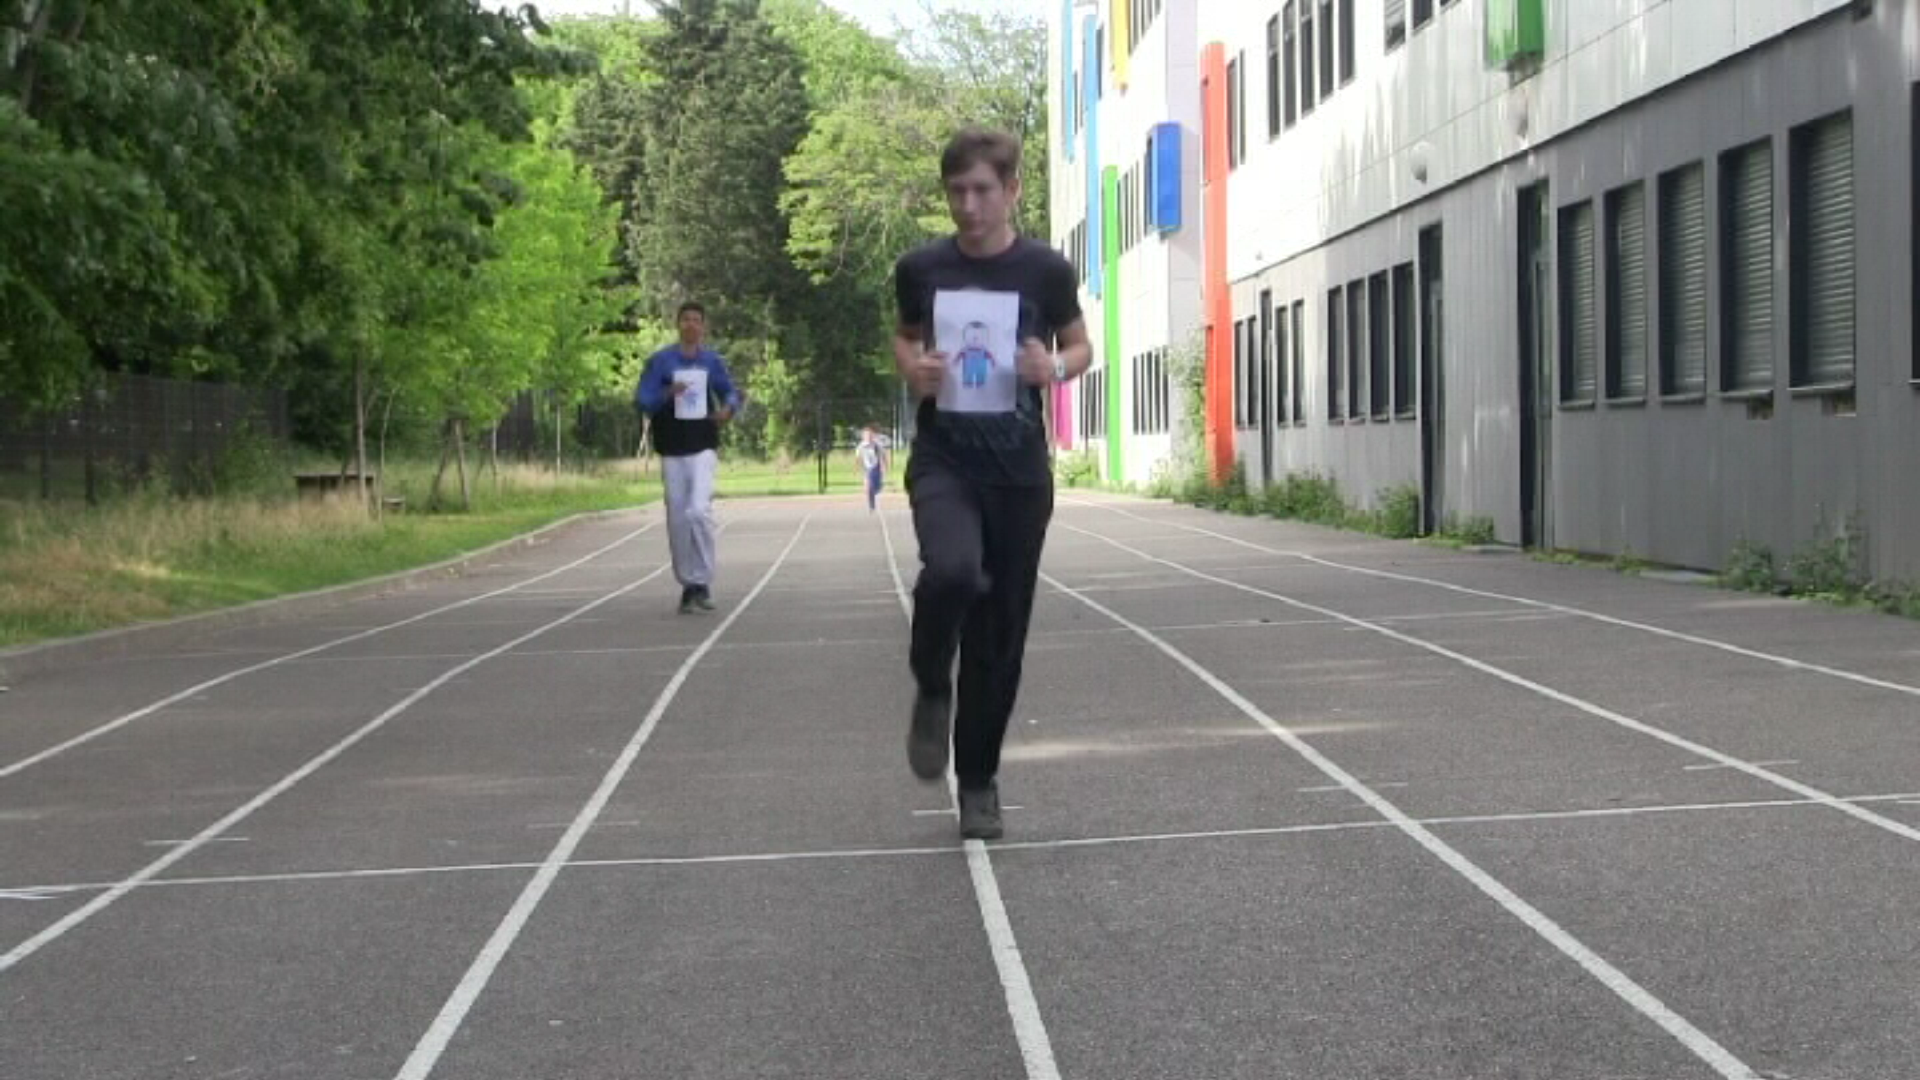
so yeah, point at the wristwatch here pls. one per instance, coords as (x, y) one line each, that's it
(1059, 368)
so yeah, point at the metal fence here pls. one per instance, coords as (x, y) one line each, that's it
(838, 422)
(534, 430)
(133, 430)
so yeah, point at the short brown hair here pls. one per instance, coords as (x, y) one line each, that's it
(972, 145)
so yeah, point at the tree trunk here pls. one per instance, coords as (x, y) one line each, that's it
(386, 414)
(433, 493)
(24, 54)
(556, 438)
(460, 456)
(493, 458)
(360, 429)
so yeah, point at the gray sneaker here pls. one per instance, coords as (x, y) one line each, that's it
(980, 814)
(703, 598)
(930, 737)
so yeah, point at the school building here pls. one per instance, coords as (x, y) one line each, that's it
(1623, 276)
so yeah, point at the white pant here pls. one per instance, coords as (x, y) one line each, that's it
(689, 497)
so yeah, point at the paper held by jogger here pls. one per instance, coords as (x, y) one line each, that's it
(979, 334)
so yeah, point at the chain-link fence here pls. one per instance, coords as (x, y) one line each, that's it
(537, 431)
(837, 424)
(130, 431)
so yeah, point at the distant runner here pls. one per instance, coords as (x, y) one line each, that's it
(686, 393)
(872, 456)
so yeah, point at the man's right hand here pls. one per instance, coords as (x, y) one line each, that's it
(926, 374)
(677, 389)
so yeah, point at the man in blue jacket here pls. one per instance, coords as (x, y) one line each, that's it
(686, 392)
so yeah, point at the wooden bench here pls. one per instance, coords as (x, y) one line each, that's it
(321, 484)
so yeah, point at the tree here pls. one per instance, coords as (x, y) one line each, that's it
(864, 186)
(229, 187)
(726, 110)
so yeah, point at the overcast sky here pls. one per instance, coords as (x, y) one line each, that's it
(878, 15)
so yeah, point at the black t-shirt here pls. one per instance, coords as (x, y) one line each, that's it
(991, 448)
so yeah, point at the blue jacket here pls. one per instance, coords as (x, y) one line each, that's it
(656, 380)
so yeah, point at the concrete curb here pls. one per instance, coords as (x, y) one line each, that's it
(61, 654)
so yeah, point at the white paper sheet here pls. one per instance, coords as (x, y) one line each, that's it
(979, 333)
(692, 403)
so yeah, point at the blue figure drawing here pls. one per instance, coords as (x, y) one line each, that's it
(975, 360)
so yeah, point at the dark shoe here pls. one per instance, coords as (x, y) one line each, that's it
(686, 600)
(703, 598)
(930, 736)
(980, 814)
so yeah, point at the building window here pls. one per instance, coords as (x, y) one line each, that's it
(1242, 379)
(1396, 24)
(1299, 362)
(1273, 77)
(1327, 51)
(1239, 86)
(1579, 305)
(1348, 46)
(1093, 404)
(1099, 63)
(1746, 253)
(1627, 292)
(1147, 187)
(1422, 13)
(1234, 118)
(1256, 370)
(1290, 93)
(1308, 88)
(1283, 385)
(1823, 253)
(1336, 364)
(1357, 349)
(1683, 281)
(1403, 403)
(1151, 396)
(1160, 387)
(1077, 250)
(1379, 341)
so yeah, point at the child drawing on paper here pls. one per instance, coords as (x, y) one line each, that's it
(975, 359)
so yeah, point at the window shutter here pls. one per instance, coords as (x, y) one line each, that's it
(1749, 233)
(1828, 266)
(1628, 297)
(1683, 281)
(1581, 339)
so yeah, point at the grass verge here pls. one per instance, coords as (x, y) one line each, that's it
(67, 569)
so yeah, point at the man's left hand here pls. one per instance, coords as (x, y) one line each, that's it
(1036, 363)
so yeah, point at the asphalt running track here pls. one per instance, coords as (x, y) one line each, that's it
(1287, 803)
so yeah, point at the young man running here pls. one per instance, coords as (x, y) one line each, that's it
(980, 482)
(686, 392)
(872, 456)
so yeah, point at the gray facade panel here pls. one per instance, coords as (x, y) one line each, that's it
(1673, 481)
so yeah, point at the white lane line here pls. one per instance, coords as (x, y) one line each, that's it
(176, 843)
(1699, 1043)
(1255, 832)
(1029, 1029)
(199, 688)
(427, 1052)
(1715, 765)
(159, 866)
(1545, 605)
(1758, 772)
